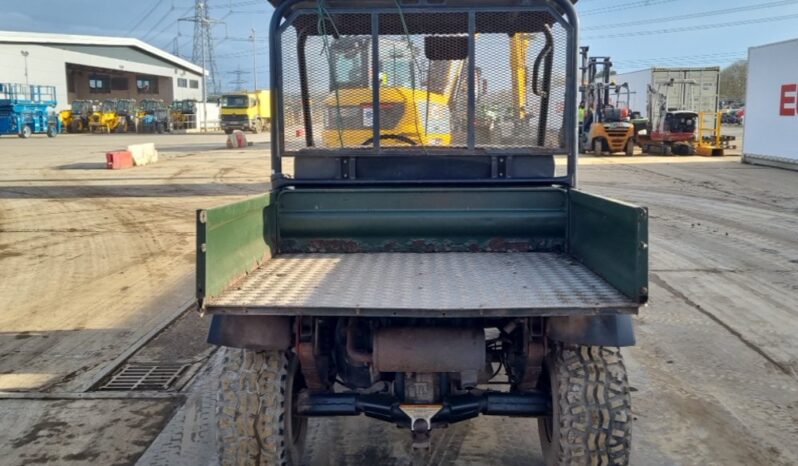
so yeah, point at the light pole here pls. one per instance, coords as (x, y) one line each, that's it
(204, 88)
(254, 64)
(25, 54)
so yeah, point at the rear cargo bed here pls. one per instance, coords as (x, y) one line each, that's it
(440, 252)
(412, 284)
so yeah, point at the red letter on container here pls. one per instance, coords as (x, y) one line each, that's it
(787, 99)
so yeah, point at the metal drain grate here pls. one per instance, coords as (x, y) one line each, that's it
(145, 377)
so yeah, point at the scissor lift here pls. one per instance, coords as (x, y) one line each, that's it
(28, 109)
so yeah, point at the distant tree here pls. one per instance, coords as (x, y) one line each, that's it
(732, 81)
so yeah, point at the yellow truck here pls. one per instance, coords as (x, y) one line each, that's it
(247, 111)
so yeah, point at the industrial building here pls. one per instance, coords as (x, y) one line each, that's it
(97, 67)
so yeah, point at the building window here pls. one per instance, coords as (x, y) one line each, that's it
(194, 84)
(182, 82)
(147, 84)
(99, 84)
(119, 84)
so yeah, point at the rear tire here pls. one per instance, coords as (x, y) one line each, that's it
(51, 132)
(591, 407)
(257, 391)
(25, 132)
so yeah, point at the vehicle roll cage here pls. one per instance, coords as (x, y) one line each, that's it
(502, 18)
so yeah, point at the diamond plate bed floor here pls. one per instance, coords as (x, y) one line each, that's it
(407, 284)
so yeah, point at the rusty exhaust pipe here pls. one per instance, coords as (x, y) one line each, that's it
(429, 349)
(354, 354)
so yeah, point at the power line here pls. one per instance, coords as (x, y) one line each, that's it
(238, 83)
(702, 15)
(683, 57)
(244, 53)
(249, 12)
(650, 32)
(626, 6)
(174, 23)
(677, 61)
(236, 4)
(146, 15)
(158, 23)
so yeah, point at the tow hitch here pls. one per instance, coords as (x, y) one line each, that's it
(455, 408)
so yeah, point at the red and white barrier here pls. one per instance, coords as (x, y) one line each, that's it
(118, 159)
(236, 140)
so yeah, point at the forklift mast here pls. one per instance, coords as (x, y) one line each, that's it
(595, 85)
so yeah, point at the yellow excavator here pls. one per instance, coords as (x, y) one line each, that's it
(416, 107)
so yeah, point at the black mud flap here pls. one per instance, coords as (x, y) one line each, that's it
(257, 333)
(609, 330)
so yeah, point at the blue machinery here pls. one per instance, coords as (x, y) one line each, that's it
(28, 109)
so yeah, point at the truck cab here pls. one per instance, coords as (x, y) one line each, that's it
(246, 111)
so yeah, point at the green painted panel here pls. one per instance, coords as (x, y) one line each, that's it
(610, 238)
(233, 240)
(424, 220)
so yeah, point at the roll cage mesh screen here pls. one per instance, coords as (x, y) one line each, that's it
(421, 65)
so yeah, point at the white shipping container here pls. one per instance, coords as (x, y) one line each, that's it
(771, 105)
(702, 97)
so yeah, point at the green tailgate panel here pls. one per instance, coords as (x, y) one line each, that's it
(232, 240)
(422, 220)
(611, 239)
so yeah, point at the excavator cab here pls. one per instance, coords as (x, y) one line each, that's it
(415, 99)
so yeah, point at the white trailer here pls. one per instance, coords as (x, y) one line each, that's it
(701, 97)
(771, 106)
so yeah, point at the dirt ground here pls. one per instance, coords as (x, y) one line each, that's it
(94, 262)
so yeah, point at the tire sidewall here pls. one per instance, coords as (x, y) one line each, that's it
(549, 426)
(580, 436)
(294, 445)
(256, 402)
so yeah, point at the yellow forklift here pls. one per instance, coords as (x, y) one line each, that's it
(606, 127)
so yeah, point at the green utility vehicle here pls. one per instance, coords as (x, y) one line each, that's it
(422, 285)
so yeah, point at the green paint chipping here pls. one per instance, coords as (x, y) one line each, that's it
(233, 240)
(611, 239)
